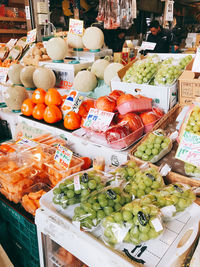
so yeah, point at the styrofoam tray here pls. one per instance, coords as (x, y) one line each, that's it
(160, 252)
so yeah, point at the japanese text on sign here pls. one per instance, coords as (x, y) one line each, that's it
(63, 156)
(98, 120)
(76, 26)
(31, 36)
(27, 143)
(189, 149)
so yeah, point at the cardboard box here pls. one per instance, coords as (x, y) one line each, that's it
(189, 85)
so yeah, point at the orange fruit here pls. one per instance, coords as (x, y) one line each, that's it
(52, 114)
(38, 96)
(38, 111)
(53, 97)
(72, 121)
(27, 107)
(87, 163)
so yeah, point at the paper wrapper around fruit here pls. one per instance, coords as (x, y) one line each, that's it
(134, 223)
(98, 205)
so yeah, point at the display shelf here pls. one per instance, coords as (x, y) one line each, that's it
(12, 19)
(13, 31)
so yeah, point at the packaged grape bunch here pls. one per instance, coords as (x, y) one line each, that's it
(192, 170)
(125, 172)
(155, 146)
(167, 74)
(77, 187)
(171, 199)
(97, 206)
(185, 61)
(134, 223)
(143, 182)
(144, 72)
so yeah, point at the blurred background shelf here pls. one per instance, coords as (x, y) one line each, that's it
(13, 31)
(12, 19)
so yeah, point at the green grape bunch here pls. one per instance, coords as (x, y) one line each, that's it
(134, 223)
(191, 170)
(67, 193)
(96, 207)
(167, 75)
(152, 146)
(185, 61)
(178, 195)
(193, 124)
(144, 182)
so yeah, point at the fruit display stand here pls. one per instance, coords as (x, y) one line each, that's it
(55, 223)
(169, 124)
(78, 145)
(92, 55)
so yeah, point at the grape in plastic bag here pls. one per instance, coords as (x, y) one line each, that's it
(98, 206)
(154, 147)
(134, 223)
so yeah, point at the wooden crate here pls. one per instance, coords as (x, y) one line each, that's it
(177, 174)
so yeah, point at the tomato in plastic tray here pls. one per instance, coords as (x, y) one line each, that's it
(120, 136)
(139, 104)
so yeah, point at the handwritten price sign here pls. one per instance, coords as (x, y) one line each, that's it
(63, 156)
(31, 36)
(76, 26)
(189, 149)
(26, 142)
(98, 120)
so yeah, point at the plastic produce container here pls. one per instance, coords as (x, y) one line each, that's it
(41, 154)
(57, 172)
(14, 168)
(128, 140)
(15, 197)
(30, 201)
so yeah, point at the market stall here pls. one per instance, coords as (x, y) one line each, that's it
(99, 151)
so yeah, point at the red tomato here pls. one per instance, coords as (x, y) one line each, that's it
(158, 111)
(116, 94)
(148, 117)
(133, 120)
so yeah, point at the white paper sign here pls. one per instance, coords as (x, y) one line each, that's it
(196, 65)
(147, 46)
(27, 11)
(169, 10)
(3, 74)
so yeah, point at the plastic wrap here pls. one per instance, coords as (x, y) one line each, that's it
(154, 147)
(143, 182)
(192, 170)
(142, 71)
(78, 187)
(134, 223)
(171, 199)
(98, 206)
(30, 201)
(167, 74)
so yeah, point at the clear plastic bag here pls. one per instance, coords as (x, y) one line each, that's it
(167, 74)
(171, 199)
(143, 182)
(77, 188)
(192, 170)
(154, 147)
(142, 71)
(134, 223)
(97, 206)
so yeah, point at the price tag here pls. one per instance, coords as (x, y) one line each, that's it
(77, 185)
(76, 26)
(11, 43)
(157, 224)
(72, 102)
(3, 74)
(147, 46)
(189, 149)
(63, 156)
(27, 143)
(98, 120)
(31, 36)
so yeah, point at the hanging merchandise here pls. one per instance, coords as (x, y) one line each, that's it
(117, 13)
(169, 10)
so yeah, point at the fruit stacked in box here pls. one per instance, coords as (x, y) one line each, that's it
(27, 172)
(129, 203)
(154, 71)
(133, 115)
